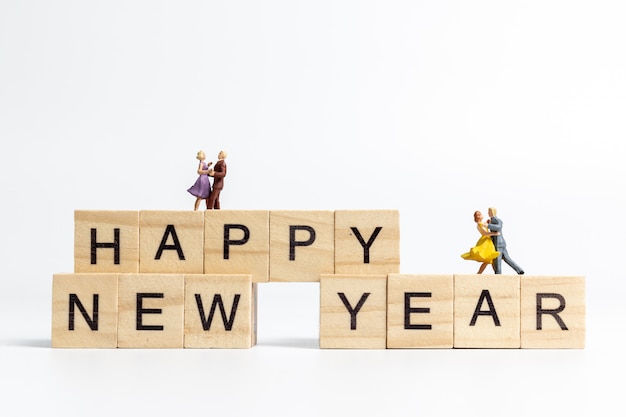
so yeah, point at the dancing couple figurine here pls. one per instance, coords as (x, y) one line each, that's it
(202, 189)
(491, 247)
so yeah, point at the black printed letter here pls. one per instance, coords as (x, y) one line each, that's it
(491, 312)
(554, 313)
(170, 230)
(74, 301)
(366, 246)
(228, 241)
(115, 245)
(353, 312)
(217, 301)
(141, 311)
(408, 310)
(293, 242)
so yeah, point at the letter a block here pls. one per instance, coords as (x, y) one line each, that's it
(237, 242)
(106, 241)
(84, 310)
(553, 312)
(220, 311)
(420, 310)
(302, 245)
(486, 311)
(367, 241)
(171, 242)
(353, 311)
(151, 310)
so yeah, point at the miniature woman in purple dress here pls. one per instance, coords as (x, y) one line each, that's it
(202, 187)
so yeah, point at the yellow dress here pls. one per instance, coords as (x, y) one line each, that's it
(483, 251)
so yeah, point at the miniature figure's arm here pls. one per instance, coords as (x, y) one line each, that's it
(204, 171)
(494, 227)
(482, 228)
(219, 174)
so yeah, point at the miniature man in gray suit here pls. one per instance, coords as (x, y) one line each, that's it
(495, 225)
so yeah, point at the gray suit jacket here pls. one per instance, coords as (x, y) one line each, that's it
(496, 226)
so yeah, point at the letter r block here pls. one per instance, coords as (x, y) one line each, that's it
(106, 241)
(220, 311)
(84, 310)
(420, 310)
(353, 311)
(171, 242)
(302, 245)
(237, 242)
(553, 312)
(151, 310)
(367, 241)
(486, 311)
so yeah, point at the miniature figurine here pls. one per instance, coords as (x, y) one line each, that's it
(495, 225)
(484, 251)
(218, 173)
(201, 189)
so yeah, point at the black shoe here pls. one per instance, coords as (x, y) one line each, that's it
(520, 273)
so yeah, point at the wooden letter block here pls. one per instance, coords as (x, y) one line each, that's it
(553, 312)
(220, 311)
(367, 241)
(237, 242)
(486, 311)
(302, 245)
(151, 310)
(84, 310)
(171, 242)
(353, 311)
(106, 241)
(420, 311)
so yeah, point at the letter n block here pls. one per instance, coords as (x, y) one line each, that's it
(420, 311)
(367, 241)
(486, 311)
(237, 242)
(171, 242)
(84, 310)
(220, 311)
(553, 312)
(302, 245)
(353, 311)
(151, 310)
(106, 241)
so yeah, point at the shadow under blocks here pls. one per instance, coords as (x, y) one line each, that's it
(184, 279)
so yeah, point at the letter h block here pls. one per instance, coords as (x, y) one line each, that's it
(353, 311)
(84, 310)
(106, 241)
(553, 312)
(220, 311)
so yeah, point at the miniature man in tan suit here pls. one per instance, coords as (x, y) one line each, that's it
(218, 173)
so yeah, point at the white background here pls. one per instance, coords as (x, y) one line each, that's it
(433, 108)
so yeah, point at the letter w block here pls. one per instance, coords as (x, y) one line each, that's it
(220, 311)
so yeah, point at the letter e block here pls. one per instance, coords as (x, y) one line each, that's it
(220, 311)
(302, 245)
(553, 312)
(353, 311)
(237, 242)
(171, 242)
(151, 310)
(367, 241)
(84, 310)
(106, 241)
(486, 311)
(420, 311)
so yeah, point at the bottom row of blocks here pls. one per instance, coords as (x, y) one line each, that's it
(356, 311)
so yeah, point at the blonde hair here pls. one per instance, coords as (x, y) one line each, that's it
(200, 155)
(224, 153)
(494, 211)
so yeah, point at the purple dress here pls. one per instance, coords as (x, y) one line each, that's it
(202, 187)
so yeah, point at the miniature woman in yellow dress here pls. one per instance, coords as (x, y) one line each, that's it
(484, 251)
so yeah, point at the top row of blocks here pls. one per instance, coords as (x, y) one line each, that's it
(280, 246)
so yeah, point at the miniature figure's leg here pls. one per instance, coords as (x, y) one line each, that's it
(197, 204)
(214, 200)
(482, 267)
(511, 263)
(497, 263)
